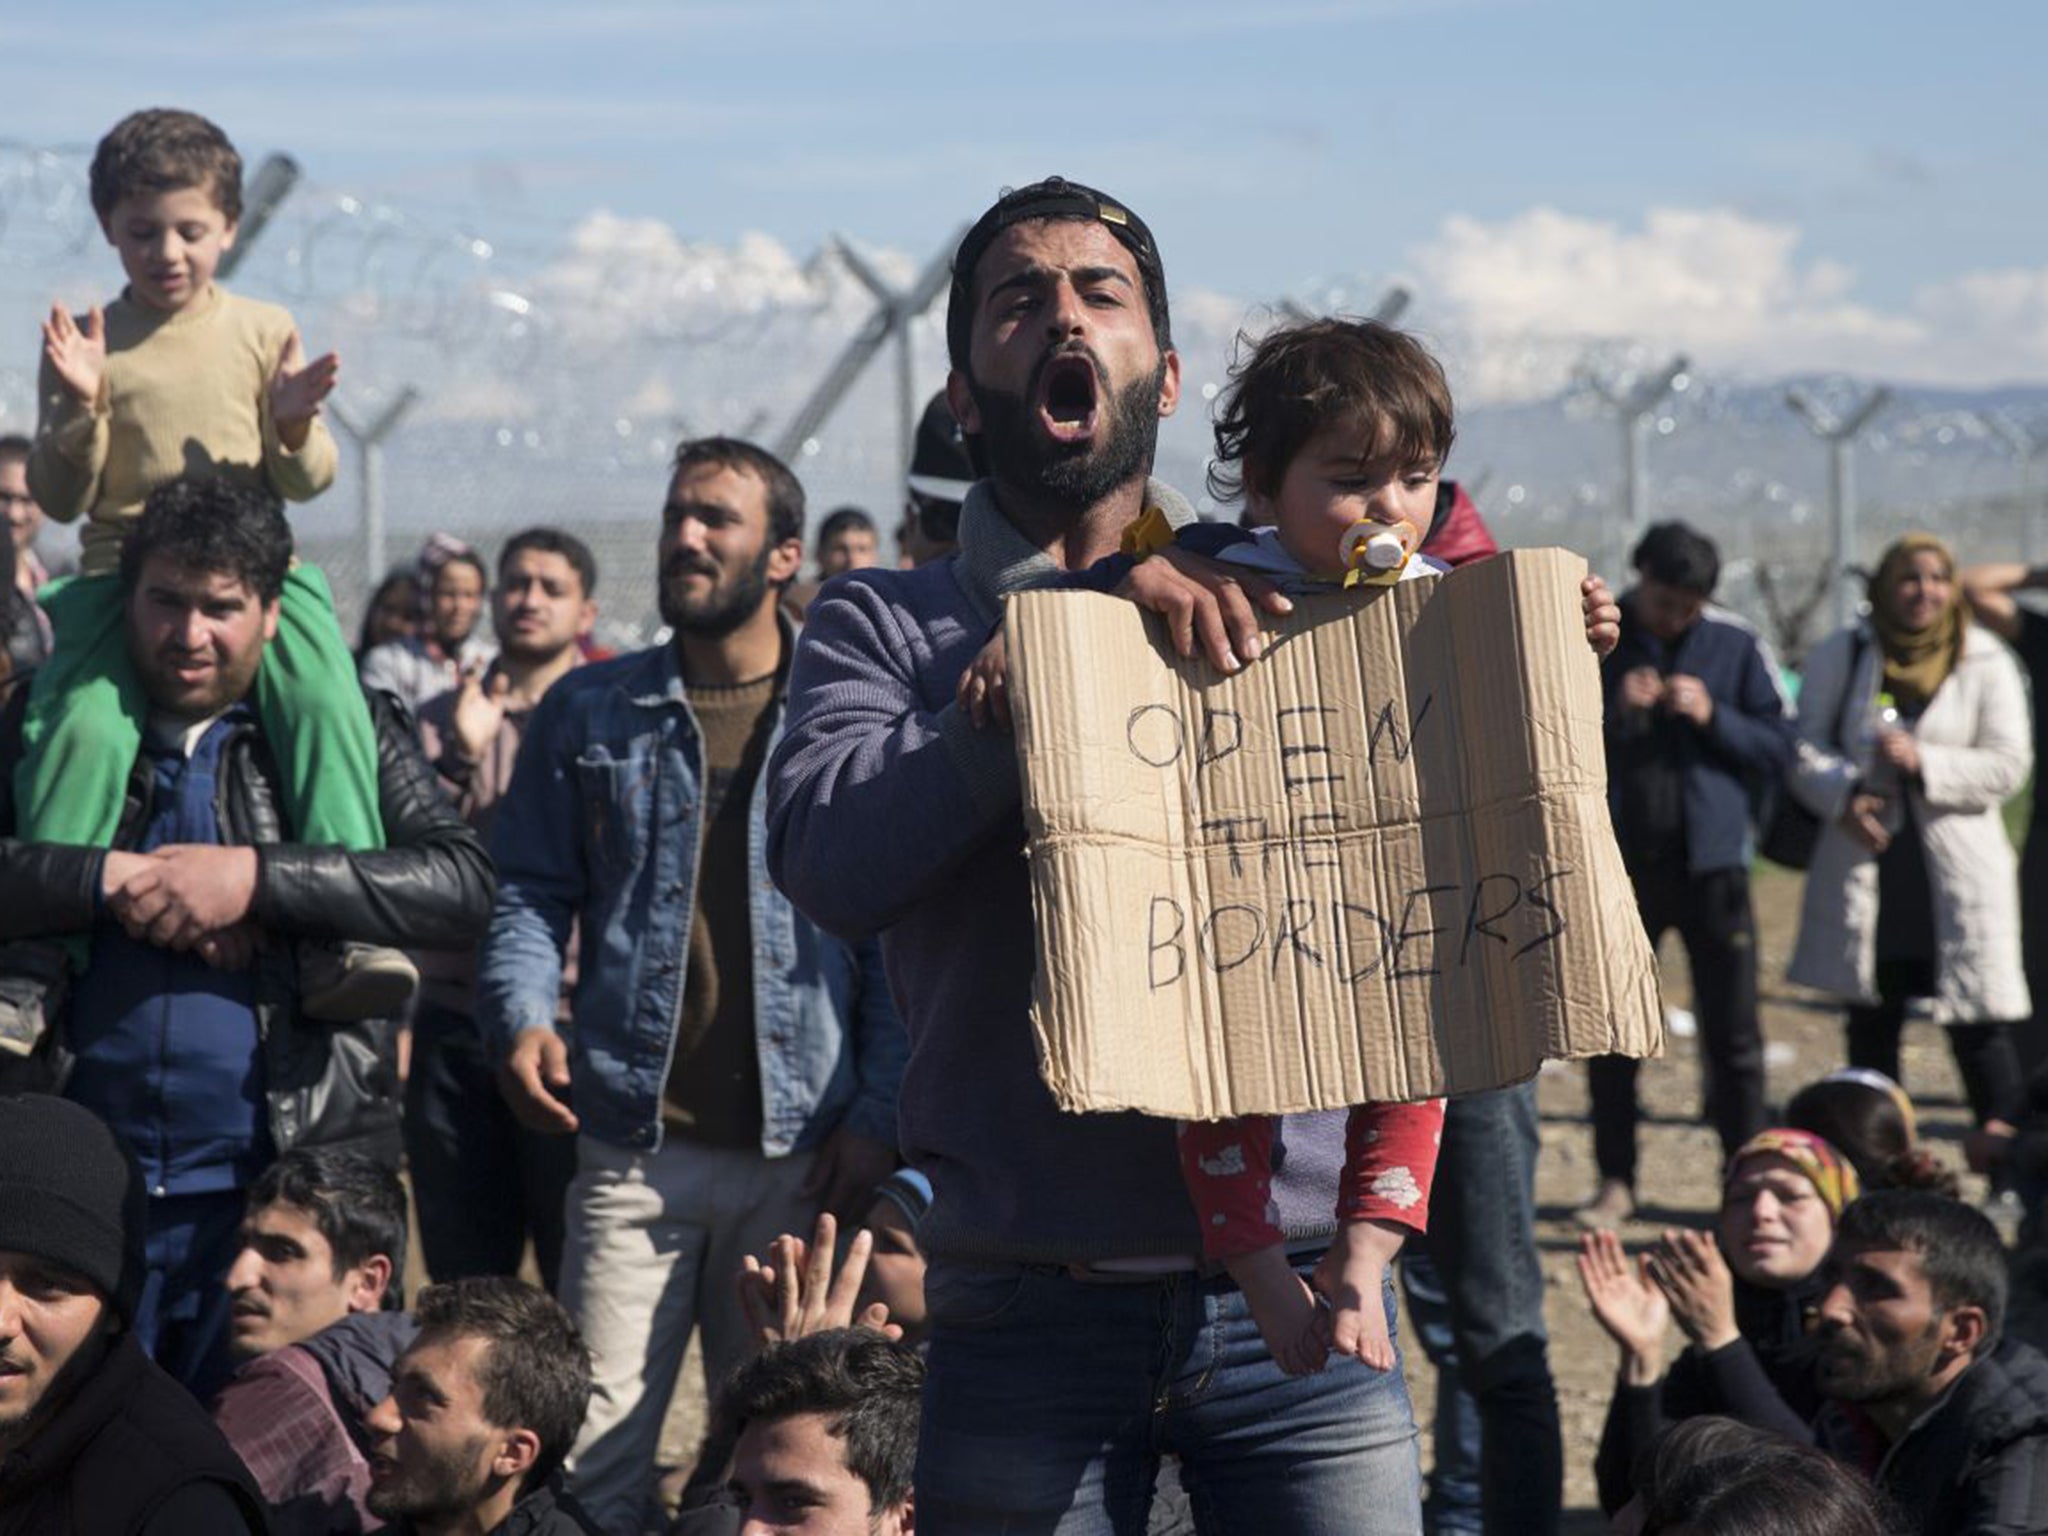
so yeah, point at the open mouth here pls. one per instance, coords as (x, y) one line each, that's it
(1066, 398)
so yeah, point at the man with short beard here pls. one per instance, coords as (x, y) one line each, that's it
(483, 1406)
(733, 1067)
(1951, 1421)
(1074, 1334)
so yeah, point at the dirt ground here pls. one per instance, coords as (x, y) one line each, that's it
(1680, 1163)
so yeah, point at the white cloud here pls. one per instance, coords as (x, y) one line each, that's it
(1530, 294)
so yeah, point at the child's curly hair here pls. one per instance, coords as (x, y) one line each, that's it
(162, 149)
(1300, 379)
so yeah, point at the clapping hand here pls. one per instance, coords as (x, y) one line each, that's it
(296, 390)
(1627, 1303)
(1689, 1269)
(78, 356)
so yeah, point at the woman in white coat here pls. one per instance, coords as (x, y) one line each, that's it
(1912, 899)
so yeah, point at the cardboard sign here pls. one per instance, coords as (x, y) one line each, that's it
(1376, 864)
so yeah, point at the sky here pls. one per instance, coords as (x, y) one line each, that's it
(1776, 186)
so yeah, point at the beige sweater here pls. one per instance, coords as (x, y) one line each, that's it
(182, 393)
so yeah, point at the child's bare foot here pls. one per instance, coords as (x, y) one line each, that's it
(1283, 1307)
(1351, 1278)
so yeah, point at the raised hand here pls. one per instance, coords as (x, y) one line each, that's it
(796, 1293)
(78, 356)
(1627, 1303)
(480, 711)
(296, 390)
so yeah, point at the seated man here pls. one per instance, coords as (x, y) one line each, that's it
(315, 1292)
(826, 1431)
(1952, 1424)
(185, 1031)
(483, 1407)
(93, 1438)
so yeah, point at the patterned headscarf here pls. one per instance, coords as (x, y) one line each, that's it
(1916, 661)
(1831, 1174)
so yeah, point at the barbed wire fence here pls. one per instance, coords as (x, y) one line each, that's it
(550, 367)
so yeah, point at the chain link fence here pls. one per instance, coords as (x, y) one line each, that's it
(556, 365)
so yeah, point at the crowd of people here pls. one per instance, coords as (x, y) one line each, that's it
(686, 993)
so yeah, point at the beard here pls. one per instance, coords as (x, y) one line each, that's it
(731, 601)
(1850, 1372)
(1074, 474)
(446, 1486)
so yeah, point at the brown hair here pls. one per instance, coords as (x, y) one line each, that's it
(1301, 379)
(536, 1373)
(162, 149)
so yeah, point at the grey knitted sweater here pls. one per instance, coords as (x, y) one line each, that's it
(889, 813)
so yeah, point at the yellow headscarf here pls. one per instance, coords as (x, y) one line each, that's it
(1916, 661)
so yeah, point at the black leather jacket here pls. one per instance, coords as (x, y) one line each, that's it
(430, 887)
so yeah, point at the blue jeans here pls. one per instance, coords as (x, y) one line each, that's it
(1050, 1400)
(1454, 1502)
(1482, 1246)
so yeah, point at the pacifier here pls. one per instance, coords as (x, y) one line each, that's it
(1374, 554)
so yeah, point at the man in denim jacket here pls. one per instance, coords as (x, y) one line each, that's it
(733, 1067)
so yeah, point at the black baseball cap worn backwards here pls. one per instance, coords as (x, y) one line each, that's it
(1053, 198)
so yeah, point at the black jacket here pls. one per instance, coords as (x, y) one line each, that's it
(1765, 1379)
(1977, 1464)
(128, 1454)
(546, 1511)
(430, 887)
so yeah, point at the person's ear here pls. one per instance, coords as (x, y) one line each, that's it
(1169, 383)
(588, 620)
(227, 241)
(960, 400)
(1966, 1327)
(785, 560)
(516, 1455)
(270, 621)
(372, 1280)
(900, 1519)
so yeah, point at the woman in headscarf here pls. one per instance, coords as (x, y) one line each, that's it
(1912, 899)
(1744, 1295)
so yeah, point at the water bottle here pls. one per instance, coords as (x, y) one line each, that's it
(1879, 777)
